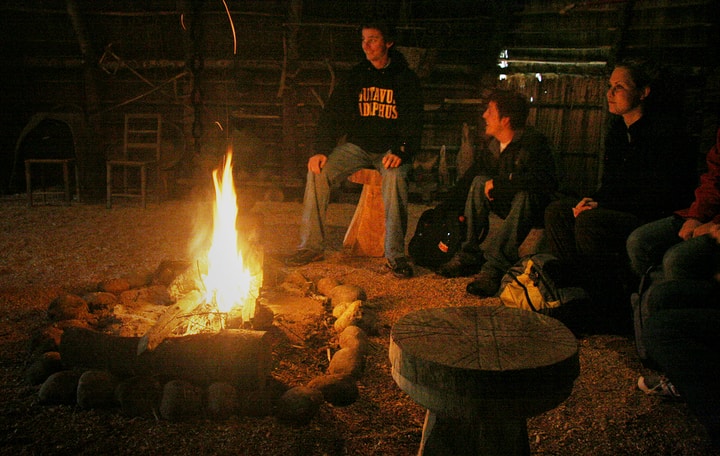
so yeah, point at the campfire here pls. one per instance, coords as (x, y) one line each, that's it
(197, 336)
(232, 280)
(226, 281)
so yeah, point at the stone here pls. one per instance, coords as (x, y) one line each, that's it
(99, 300)
(256, 403)
(299, 405)
(346, 293)
(47, 364)
(138, 279)
(222, 400)
(354, 337)
(297, 284)
(338, 390)
(67, 307)
(181, 400)
(357, 314)
(340, 309)
(347, 362)
(326, 284)
(96, 389)
(168, 270)
(115, 286)
(139, 297)
(351, 316)
(45, 340)
(139, 396)
(60, 388)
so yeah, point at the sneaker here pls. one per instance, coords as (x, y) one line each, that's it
(401, 269)
(460, 265)
(658, 385)
(485, 284)
(303, 257)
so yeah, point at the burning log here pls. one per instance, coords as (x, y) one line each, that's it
(169, 321)
(239, 357)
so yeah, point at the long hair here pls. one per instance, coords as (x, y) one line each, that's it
(665, 91)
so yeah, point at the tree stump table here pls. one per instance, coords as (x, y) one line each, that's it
(365, 235)
(481, 372)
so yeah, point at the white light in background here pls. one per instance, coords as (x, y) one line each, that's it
(503, 59)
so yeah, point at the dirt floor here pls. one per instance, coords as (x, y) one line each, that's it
(53, 249)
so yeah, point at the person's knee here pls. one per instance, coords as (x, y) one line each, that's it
(635, 245)
(674, 257)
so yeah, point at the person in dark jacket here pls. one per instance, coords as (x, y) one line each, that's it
(676, 244)
(647, 174)
(678, 257)
(517, 189)
(682, 338)
(378, 112)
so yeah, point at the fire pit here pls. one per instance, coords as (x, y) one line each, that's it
(196, 337)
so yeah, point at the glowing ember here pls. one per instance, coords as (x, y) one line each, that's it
(229, 283)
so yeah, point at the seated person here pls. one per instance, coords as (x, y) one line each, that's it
(517, 190)
(679, 241)
(685, 343)
(683, 339)
(378, 110)
(647, 173)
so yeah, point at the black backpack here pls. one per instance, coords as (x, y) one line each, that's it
(438, 235)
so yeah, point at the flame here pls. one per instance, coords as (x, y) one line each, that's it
(228, 283)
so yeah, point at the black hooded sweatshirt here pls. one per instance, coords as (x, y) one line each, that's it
(377, 110)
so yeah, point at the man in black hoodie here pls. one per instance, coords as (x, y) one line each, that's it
(517, 187)
(378, 112)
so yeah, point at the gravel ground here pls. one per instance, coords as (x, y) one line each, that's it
(48, 250)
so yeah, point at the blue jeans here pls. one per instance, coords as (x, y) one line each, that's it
(343, 161)
(501, 250)
(658, 243)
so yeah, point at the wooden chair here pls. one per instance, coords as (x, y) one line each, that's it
(366, 234)
(42, 162)
(140, 156)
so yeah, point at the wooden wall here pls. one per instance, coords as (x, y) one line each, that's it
(560, 54)
(256, 75)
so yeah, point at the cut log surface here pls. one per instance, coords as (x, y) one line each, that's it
(460, 360)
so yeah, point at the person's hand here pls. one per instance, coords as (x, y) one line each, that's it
(489, 186)
(689, 229)
(316, 163)
(391, 160)
(714, 231)
(585, 204)
(705, 228)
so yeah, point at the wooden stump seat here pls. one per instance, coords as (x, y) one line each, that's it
(481, 372)
(366, 234)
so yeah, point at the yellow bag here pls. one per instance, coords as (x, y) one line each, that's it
(531, 284)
